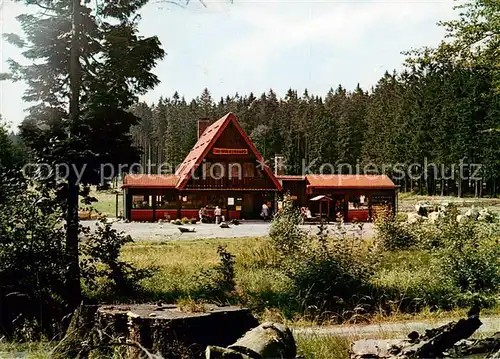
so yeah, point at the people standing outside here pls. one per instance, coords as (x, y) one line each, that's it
(218, 214)
(202, 213)
(265, 212)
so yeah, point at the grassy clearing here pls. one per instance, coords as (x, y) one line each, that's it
(180, 263)
(264, 289)
(106, 202)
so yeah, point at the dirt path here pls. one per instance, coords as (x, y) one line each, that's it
(168, 231)
(389, 330)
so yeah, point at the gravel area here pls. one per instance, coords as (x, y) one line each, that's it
(168, 231)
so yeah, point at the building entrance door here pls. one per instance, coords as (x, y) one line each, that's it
(248, 206)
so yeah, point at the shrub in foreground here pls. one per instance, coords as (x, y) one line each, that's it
(393, 234)
(102, 269)
(471, 258)
(327, 273)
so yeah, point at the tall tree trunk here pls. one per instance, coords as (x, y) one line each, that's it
(74, 290)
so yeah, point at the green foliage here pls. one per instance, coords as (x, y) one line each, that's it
(286, 236)
(101, 262)
(471, 257)
(323, 346)
(10, 152)
(33, 261)
(327, 272)
(465, 260)
(219, 281)
(86, 65)
(393, 234)
(332, 275)
(410, 280)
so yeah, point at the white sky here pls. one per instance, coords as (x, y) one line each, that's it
(252, 46)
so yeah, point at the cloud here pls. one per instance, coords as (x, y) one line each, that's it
(281, 25)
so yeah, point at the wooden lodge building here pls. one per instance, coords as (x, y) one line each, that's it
(225, 169)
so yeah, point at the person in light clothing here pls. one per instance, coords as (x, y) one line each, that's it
(265, 212)
(218, 214)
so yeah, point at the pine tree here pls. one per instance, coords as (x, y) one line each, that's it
(88, 66)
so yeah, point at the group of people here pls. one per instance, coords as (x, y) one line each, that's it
(206, 218)
(218, 217)
(305, 213)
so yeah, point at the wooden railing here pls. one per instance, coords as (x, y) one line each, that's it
(233, 183)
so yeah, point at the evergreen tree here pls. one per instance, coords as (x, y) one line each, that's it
(88, 66)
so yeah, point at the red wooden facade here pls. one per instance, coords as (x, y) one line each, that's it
(225, 169)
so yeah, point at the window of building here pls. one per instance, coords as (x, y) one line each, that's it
(217, 171)
(358, 202)
(235, 170)
(248, 169)
(142, 202)
(192, 201)
(214, 200)
(166, 201)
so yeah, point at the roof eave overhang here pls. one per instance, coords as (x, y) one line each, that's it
(350, 187)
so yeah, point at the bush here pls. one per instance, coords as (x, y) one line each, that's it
(101, 262)
(466, 260)
(327, 273)
(332, 274)
(178, 222)
(392, 234)
(185, 220)
(471, 257)
(33, 261)
(408, 281)
(286, 236)
(219, 282)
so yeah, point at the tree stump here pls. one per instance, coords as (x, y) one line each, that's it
(267, 341)
(142, 329)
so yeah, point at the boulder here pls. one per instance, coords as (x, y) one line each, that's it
(415, 218)
(435, 216)
(485, 215)
(472, 213)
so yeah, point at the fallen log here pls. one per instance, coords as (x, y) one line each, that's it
(437, 341)
(267, 341)
(479, 346)
(446, 340)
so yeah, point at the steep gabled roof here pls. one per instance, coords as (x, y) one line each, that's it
(205, 144)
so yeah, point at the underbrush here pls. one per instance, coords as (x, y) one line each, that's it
(323, 347)
(461, 263)
(333, 276)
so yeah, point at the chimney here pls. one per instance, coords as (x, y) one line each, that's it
(279, 165)
(203, 124)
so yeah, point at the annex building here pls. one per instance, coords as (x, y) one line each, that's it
(225, 169)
